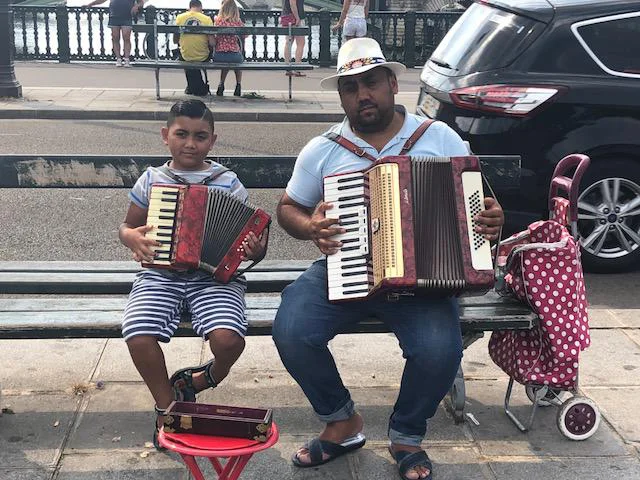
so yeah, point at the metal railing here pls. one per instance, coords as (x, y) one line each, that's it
(67, 34)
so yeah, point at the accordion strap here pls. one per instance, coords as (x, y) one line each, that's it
(165, 169)
(408, 145)
(352, 147)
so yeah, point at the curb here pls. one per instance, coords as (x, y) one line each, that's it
(220, 115)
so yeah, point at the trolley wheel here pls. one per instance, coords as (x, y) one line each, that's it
(550, 398)
(578, 418)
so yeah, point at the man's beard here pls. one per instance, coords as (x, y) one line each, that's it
(371, 123)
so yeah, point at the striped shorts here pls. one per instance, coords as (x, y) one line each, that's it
(157, 301)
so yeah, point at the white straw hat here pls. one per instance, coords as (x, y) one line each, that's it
(356, 56)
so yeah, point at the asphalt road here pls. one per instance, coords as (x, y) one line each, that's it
(82, 224)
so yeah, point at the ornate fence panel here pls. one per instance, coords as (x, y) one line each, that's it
(70, 34)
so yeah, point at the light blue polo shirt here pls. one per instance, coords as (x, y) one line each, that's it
(321, 156)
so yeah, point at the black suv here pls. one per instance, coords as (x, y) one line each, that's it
(543, 79)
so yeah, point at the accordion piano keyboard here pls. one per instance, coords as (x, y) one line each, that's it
(162, 216)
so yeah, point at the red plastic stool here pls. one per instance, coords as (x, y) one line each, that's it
(236, 451)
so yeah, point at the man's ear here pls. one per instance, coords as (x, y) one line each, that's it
(393, 81)
(164, 131)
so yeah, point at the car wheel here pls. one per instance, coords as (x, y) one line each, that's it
(609, 216)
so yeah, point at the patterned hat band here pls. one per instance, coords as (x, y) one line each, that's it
(360, 62)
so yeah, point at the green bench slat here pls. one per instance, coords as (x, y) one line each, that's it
(101, 316)
(114, 283)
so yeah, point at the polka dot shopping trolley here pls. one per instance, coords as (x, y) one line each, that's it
(541, 267)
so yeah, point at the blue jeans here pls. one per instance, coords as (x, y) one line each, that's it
(427, 329)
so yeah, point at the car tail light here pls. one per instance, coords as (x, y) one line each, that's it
(505, 99)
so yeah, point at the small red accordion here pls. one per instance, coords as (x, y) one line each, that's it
(200, 228)
(409, 228)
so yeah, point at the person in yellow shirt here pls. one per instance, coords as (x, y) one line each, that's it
(195, 47)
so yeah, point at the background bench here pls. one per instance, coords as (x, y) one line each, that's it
(86, 299)
(153, 30)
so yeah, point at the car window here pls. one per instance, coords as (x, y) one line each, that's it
(614, 42)
(484, 38)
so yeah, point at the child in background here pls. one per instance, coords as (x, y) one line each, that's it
(228, 48)
(158, 296)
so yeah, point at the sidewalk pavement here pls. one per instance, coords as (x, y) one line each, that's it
(103, 92)
(79, 411)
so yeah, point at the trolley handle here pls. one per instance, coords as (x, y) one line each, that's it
(570, 185)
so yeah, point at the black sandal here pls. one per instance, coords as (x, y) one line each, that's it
(409, 460)
(182, 381)
(160, 412)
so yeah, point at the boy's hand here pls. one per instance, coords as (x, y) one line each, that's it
(254, 247)
(140, 245)
(490, 220)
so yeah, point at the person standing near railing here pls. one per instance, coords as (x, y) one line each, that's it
(120, 22)
(293, 14)
(353, 19)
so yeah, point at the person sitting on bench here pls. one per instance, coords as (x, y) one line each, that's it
(194, 47)
(427, 329)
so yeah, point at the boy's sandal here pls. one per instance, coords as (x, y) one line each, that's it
(317, 448)
(160, 412)
(409, 460)
(182, 381)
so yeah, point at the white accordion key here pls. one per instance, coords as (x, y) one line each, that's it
(474, 204)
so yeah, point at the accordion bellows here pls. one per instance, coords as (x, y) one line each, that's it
(200, 228)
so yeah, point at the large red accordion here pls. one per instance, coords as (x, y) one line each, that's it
(200, 228)
(409, 228)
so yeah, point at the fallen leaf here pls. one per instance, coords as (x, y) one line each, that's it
(144, 454)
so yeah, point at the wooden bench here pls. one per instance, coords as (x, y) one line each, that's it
(153, 30)
(86, 299)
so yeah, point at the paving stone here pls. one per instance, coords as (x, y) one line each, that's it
(635, 336)
(117, 464)
(30, 438)
(497, 435)
(7, 474)
(449, 463)
(116, 363)
(476, 363)
(618, 468)
(603, 318)
(48, 364)
(628, 318)
(120, 416)
(619, 406)
(622, 365)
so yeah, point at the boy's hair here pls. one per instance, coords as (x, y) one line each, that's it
(195, 3)
(192, 109)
